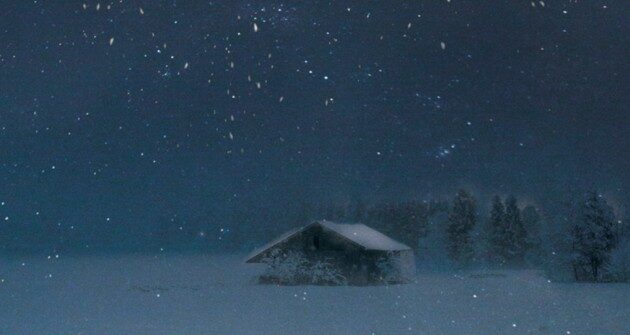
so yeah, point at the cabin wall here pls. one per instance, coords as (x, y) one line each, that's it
(351, 260)
(359, 266)
(406, 263)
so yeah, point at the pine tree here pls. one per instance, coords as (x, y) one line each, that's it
(516, 234)
(461, 221)
(593, 237)
(414, 219)
(497, 231)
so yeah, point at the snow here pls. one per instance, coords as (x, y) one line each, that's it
(277, 240)
(358, 233)
(364, 236)
(217, 294)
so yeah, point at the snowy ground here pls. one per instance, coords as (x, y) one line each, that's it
(217, 295)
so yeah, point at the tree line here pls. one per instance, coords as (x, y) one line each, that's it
(580, 239)
(582, 242)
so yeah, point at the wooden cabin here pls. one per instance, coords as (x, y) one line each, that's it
(357, 253)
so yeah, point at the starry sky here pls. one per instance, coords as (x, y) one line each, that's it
(134, 112)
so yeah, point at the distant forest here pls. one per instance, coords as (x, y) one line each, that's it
(581, 239)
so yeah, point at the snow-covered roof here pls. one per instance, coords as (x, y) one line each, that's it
(358, 233)
(364, 236)
(275, 241)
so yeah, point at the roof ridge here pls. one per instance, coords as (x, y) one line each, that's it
(359, 234)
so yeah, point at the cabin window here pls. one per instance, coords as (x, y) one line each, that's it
(316, 242)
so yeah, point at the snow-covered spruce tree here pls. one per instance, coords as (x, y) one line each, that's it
(461, 221)
(498, 239)
(557, 239)
(409, 221)
(516, 234)
(593, 237)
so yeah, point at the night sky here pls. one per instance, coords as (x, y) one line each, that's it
(130, 113)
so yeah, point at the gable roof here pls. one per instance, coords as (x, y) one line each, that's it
(357, 233)
(369, 238)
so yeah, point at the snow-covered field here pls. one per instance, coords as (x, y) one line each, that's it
(212, 294)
